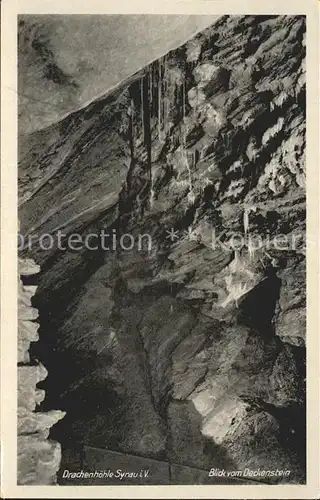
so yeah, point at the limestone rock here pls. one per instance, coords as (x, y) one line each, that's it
(194, 347)
(38, 458)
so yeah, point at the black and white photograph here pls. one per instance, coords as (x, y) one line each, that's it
(161, 250)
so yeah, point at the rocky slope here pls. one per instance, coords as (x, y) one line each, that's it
(192, 349)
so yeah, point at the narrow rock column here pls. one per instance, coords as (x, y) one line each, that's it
(38, 458)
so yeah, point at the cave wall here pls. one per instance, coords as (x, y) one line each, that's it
(38, 457)
(181, 351)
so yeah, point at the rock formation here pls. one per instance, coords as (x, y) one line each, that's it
(65, 62)
(38, 457)
(191, 348)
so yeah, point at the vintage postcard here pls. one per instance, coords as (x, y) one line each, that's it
(159, 249)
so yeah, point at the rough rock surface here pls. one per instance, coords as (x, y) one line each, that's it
(65, 62)
(191, 349)
(38, 458)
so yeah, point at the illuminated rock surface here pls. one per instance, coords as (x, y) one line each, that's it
(38, 457)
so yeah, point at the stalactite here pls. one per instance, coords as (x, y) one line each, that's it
(150, 86)
(146, 120)
(152, 193)
(142, 108)
(183, 114)
(159, 99)
(146, 112)
(191, 195)
(165, 119)
(131, 135)
(183, 100)
(131, 130)
(164, 96)
(154, 90)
